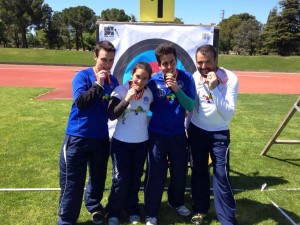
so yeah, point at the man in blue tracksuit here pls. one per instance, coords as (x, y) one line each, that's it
(87, 141)
(173, 93)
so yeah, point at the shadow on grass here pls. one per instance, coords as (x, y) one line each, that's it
(87, 223)
(250, 212)
(254, 181)
(294, 162)
(167, 216)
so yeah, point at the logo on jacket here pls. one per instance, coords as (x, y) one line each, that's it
(138, 110)
(105, 97)
(161, 93)
(208, 98)
(146, 100)
(171, 97)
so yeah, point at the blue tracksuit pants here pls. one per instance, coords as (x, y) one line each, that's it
(164, 150)
(76, 155)
(128, 161)
(217, 144)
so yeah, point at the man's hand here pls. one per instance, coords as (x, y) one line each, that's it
(172, 83)
(212, 80)
(101, 76)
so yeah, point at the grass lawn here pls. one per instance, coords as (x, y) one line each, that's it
(32, 132)
(65, 57)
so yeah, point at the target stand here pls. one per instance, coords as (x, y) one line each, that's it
(274, 140)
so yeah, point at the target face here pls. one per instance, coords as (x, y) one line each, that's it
(145, 51)
(137, 42)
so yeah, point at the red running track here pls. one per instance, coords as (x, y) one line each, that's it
(60, 78)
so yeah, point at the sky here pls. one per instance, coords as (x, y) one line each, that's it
(190, 11)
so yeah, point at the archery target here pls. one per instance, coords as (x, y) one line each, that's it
(137, 42)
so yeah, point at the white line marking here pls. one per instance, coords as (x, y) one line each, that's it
(142, 188)
(283, 213)
(41, 69)
(242, 75)
(263, 188)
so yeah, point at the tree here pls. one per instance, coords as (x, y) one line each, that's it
(228, 28)
(80, 19)
(289, 27)
(63, 36)
(2, 33)
(90, 40)
(13, 32)
(55, 30)
(50, 31)
(178, 20)
(270, 40)
(133, 18)
(22, 13)
(247, 37)
(281, 34)
(32, 40)
(116, 15)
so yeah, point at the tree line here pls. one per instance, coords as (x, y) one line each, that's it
(31, 23)
(243, 34)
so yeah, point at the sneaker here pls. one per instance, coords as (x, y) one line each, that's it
(182, 210)
(134, 219)
(97, 217)
(151, 221)
(198, 218)
(113, 221)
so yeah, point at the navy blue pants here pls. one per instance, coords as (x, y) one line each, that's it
(164, 150)
(128, 161)
(217, 144)
(76, 155)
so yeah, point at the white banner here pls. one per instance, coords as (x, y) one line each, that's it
(137, 42)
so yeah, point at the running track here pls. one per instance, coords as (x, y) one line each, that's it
(60, 77)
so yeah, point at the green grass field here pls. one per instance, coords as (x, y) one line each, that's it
(65, 57)
(32, 131)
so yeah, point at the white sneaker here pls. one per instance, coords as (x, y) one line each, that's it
(183, 211)
(113, 221)
(97, 217)
(198, 218)
(151, 221)
(134, 219)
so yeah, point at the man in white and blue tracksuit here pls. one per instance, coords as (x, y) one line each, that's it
(86, 143)
(167, 138)
(217, 90)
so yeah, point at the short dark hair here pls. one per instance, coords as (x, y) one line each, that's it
(143, 65)
(106, 45)
(204, 49)
(165, 49)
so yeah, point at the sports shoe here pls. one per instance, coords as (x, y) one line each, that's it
(183, 211)
(198, 218)
(134, 219)
(151, 221)
(113, 221)
(97, 217)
